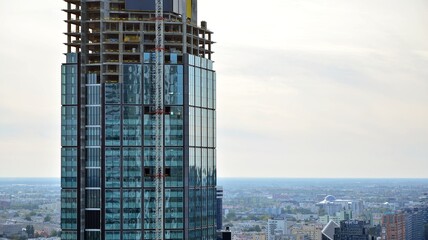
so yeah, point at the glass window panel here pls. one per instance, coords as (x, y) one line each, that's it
(173, 85)
(174, 216)
(174, 162)
(149, 166)
(71, 57)
(149, 128)
(92, 235)
(112, 93)
(132, 169)
(149, 209)
(132, 209)
(112, 167)
(204, 127)
(174, 127)
(148, 83)
(191, 86)
(69, 84)
(112, 235)
(93, 198)
(132, 129)
(131, 235)
(192, 167)
(93, 156)
(93, 136)
(93, 177)
(198, 86)
(112, 209)
(93, 95)
(68, 209)
(204, 166)
(93, 115)
(204, 88)
(198, 127)
(69, 126)
(112, 124)
(191, 126)
(132, 76)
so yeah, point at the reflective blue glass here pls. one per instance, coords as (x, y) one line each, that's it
(112, 93)
(68, 209)
(191, 86)
(148, 83)
(198, 87)
(204, 88)
(132, 209)
(132, 167)
(174, 216)
(132, 77)
(68, 235)
(149, 209)
(112, 235)
(112, 167)
(93, 157)
(93, 198)
(93, 178)
(112, 209)
(69, 84)
(69, 126)
(174, 162)
(173, 85)
(93, 96)
(149, 166)
(112, 125)
(93, 115)
(149, 129)
(131, 235)
(132, 129)
(69, 167)
(174, 127)
(93, 136)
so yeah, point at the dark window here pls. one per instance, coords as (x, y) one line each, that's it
(92, 219)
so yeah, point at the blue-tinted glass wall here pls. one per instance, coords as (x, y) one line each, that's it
(202, 148)
(117, 149)
(69, 143)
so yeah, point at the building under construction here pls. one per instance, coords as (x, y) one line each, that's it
(138, 122)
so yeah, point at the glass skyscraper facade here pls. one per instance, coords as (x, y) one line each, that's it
(108, 123)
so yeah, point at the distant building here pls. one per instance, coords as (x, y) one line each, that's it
(12, 231)
(327, 233)
(307, 232)
(376, 219)
(224, 234)
(4, 204)
(337, 217)
(219, 217)
(415, 223)
(352, 230)
(331, 206)
(394, 226)
(276, 228)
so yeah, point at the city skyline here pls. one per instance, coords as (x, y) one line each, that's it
(325, 89)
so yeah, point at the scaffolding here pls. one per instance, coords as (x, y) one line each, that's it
(159, 113)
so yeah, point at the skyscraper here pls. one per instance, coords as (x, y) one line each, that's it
(109, 123)
(352, 229)
(394, 226)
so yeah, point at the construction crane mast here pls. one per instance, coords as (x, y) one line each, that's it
(159, 115)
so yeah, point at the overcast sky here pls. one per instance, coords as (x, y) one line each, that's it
(306, 88)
